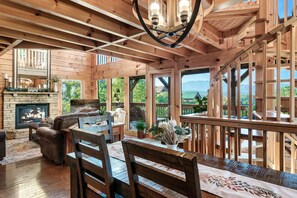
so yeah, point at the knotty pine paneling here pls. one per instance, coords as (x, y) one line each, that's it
(121, 68)
(6, 62)
(70, 65)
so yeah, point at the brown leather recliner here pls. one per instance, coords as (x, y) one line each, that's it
(2, 144)
(52, 140)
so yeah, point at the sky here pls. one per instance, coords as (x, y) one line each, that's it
(281, 7)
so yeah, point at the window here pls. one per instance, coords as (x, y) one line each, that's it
(117, 93)
(71, 89)
(161, 98)
(102, 94)
(137, 101)
(101, 59)
(195, 85)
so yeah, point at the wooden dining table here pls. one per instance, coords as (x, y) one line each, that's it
(121, 180)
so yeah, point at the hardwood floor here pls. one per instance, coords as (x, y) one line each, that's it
(36, 177)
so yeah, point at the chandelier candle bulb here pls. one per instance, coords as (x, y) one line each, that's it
(155, 12)
(6, 76)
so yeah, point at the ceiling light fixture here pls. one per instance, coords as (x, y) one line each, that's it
(169, 18)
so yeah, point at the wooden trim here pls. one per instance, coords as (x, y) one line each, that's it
(292, 72)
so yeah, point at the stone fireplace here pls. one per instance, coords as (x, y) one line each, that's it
(28, 107)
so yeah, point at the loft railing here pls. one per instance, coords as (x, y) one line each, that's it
(32, 59)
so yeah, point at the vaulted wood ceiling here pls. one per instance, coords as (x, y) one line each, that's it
(108, 27)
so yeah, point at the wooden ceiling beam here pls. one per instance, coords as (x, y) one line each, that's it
(108, 42)
(31, 45)
(132, 53)
(146, 49)
(45, 32)
(114, 54)
(67, 10)
(3, 46)
(43, 19)
(121, 10)
(147, 40)
(5, 41)
(9, 47)
(234, 13)
(39, 39)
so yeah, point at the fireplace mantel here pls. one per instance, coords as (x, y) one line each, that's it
(29, 93)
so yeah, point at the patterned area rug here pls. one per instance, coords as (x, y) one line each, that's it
(20, 149)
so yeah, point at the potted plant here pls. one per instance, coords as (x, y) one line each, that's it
(55, 80)
(141, 126)
(169, 133)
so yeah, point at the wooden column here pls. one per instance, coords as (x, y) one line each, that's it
(108, 94)
(177, 104)
(127, 101)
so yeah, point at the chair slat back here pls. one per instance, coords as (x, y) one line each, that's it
(98, 124)
(93, 163)
(184, 162)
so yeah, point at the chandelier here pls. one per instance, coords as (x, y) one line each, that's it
(169, 18)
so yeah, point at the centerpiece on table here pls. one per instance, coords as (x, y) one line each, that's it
(169, 133)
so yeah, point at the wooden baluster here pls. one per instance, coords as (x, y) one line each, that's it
(238, 131)
(212, 147)
(200, 148)
(264, 148)
(229, 92)
(281, 151)
(229, 143)
(223, 142)
(192, 126)
(236, 144)
(203, 137)
(292, 73)
(264, 77)
(221, 97)
(278, 77)
(250, 131)
(293, 154)
(197, 138)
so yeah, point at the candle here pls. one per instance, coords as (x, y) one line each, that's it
(10, 79)
(6, 76)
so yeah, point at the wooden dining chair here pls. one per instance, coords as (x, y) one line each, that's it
(98, 124)
(143, 176)
(93, 164)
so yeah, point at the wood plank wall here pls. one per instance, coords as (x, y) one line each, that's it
(66, 64)
(5, 68)
(73, 65)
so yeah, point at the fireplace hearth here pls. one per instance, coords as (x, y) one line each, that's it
(26, 114)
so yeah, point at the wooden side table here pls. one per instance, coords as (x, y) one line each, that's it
(31, 128)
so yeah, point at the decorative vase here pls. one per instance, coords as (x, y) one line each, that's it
(149, 135)
(56, 87)
(172, 146)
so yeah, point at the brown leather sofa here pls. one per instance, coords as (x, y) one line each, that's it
(52, 140)
(2, 144)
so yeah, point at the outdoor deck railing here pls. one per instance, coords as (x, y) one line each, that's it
(222, 137)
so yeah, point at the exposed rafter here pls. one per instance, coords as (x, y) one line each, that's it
(9, 47)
